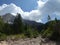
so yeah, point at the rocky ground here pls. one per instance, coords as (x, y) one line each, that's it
(28, 41)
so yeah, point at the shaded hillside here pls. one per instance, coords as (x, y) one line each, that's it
(46, 25)
(52, 30)
(33, 24)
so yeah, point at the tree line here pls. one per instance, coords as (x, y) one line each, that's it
(50, 30)
(17, 27)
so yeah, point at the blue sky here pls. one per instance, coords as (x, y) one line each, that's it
(26, 5)
(36, 10)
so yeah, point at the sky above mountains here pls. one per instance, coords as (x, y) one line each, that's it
(36, 10)
(26, 5)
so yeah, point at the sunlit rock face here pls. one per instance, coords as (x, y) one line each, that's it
(8, 18)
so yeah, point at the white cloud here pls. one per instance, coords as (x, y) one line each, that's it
(50, 7)
(41, 3)
(11, 8)
(3, 6)
(32, 15)
(44, 8)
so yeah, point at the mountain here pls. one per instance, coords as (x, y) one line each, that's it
(38, 26)
(9, 18)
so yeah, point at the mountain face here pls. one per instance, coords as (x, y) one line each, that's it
(9, 18)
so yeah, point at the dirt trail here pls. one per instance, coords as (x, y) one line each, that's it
(27, 41)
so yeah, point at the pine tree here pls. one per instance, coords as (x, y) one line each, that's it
(1, 24)
(56, 20)
(49, 18)
(18, 24)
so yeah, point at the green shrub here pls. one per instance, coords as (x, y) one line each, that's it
(3, 36)
(47, 33)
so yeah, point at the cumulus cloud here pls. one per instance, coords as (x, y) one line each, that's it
(12, 8)
(50, 7)
(44, 8)
(41, 3)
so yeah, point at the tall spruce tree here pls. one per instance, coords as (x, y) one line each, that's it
(49, 18)
(56, 20)
(18, 24)
(1, 24)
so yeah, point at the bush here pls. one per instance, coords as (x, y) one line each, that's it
(16, 36)
(35, 33)
(3, 36)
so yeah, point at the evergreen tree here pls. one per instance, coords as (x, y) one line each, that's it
(7, 29)
(56, 20)
(49, 18)
(18, 24)
(1, 24)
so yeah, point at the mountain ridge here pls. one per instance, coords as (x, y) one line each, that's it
(9, 18)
